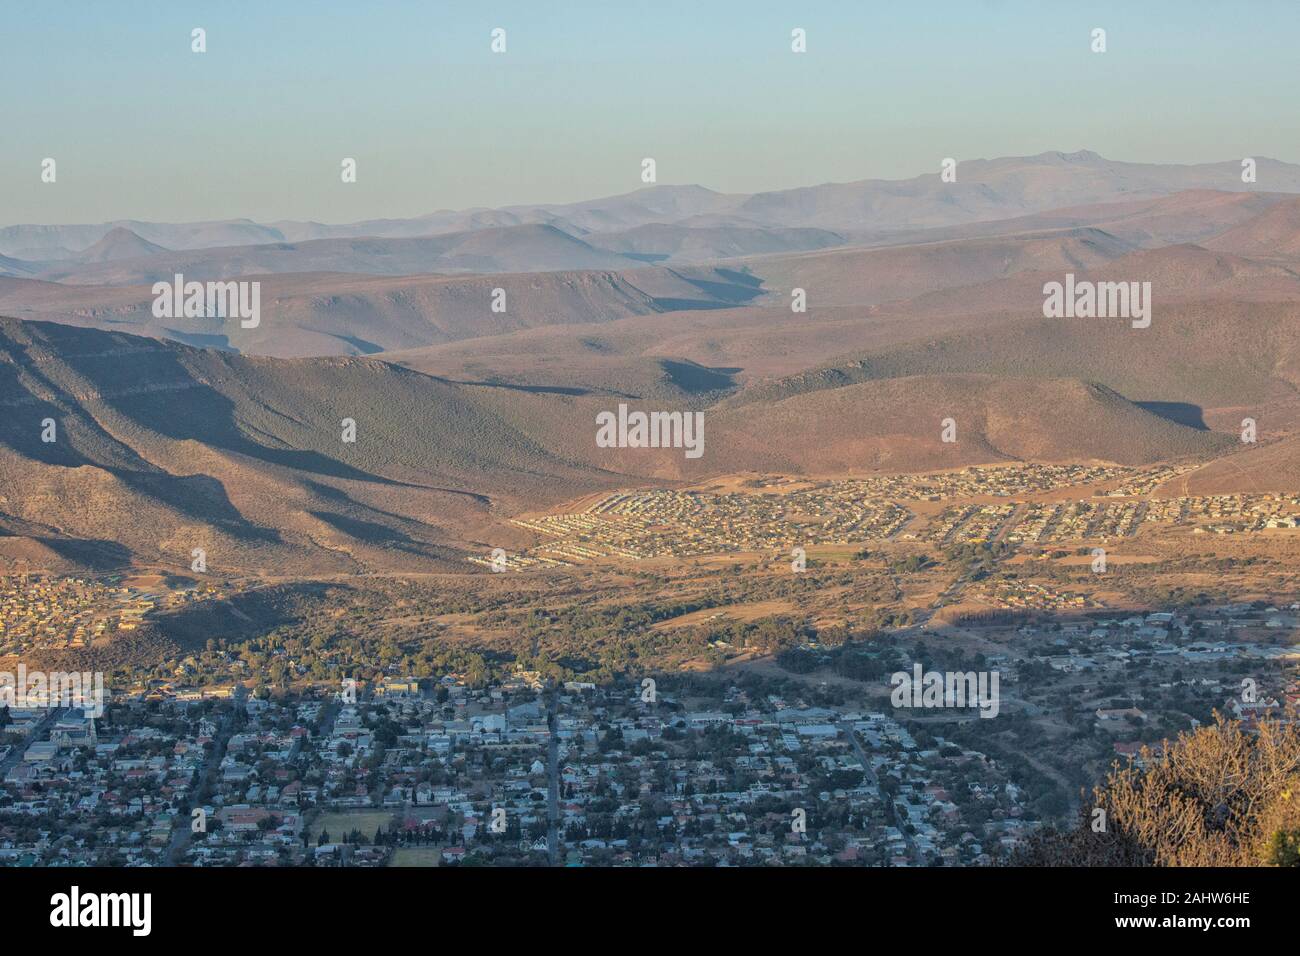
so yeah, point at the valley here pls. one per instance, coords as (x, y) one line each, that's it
(397, 483)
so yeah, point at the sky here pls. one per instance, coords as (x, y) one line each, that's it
(142, 127)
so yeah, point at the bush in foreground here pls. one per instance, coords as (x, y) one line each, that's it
(1219, 796)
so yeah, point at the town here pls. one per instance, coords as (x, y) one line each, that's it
(774, 514)
(808, 763)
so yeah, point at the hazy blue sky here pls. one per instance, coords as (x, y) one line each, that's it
(143, 128)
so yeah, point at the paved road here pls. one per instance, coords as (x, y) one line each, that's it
(181, 832)
(553, 782)
(39, 734)
(847, 727)
(950, 591)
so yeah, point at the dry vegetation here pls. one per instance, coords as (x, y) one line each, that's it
(1220, 796)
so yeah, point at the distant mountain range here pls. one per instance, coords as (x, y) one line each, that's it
(985, 190)
(443, 287)
(924, 301)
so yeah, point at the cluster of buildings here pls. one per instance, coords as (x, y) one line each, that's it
(1090, 520)
(1141, 482)
(779, 514)
(1021, 595)
(52, 611)
(1239, 659)
(661, 523)
(996, 481)
(1211, 634)
(1076, 520)
(420, 772)
(77, 791)
(1225, 514)
(39, 611)
(961, 524)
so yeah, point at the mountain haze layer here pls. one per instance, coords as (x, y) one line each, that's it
(820, 331)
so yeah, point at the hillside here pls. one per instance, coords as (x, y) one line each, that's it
(1273, 234)
(895, 424)
(52, 242)
(163, 448)
(699, 243)
(530, 248)
(1273, 465)
(1216, 295)
(118, 243)
(859, 297)
(863, 277)
(15, 267)
(1000, 189)
(340, 314)
(1194, 352)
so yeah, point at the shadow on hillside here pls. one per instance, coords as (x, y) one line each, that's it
(244, 615)
(370, 532)
(690, 305)
(362, 346)
(695, 378)
(202, 340)
(201, 497)
(737, 288)
(1181, 413)
(534, 389)
(378, 535)
(206, 415)
(335, 495)
(93, 553)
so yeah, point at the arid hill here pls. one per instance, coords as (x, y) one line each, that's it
(857, 296)
(161, 448)
(118, 243)
(1217, 353)
(864, 277)
(531, 248)
(658, 242)
(337, 314)
(1270, 465)
(15, 267)
(53, 242)
(896, 424)
(1273, 234)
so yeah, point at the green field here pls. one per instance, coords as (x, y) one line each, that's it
(416, 856)
(341, 823)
